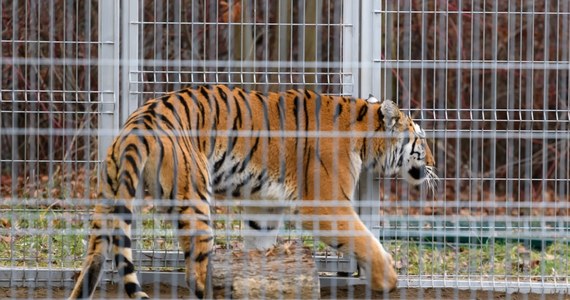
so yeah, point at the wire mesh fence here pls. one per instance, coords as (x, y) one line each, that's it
(486, 80)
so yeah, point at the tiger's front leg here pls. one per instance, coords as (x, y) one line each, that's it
(262, 225)
(348, 234)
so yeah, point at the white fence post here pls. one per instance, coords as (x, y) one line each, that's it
(130, 75)
(108, 73)
(369, 84)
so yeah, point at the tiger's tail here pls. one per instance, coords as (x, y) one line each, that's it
(112, 223)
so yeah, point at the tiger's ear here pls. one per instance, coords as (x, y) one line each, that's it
(372, 100)
(391, 113)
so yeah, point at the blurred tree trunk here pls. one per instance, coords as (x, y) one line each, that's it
(313, 9)
(283, 272)
(243, 44)
(280, 51)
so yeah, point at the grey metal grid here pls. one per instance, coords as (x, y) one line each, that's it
(487, 79)
(49, 115)
(490, 80)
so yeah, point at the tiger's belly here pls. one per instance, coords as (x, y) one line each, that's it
(264, 203)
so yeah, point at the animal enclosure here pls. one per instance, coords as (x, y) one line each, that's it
(487, 80)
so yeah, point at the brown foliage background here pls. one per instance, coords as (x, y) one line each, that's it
(49, 80)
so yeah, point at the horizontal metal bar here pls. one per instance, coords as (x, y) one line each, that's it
(43, 278)
(451, 64)
(434, 133)
(487, 284)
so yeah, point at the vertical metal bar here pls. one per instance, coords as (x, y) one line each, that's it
(369, 61)
(459, 125)
(108, 73)
(493, 145)
(129, 61)
(350, 48)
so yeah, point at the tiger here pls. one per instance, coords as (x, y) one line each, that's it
(301, 149)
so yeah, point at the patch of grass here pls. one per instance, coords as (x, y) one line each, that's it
(57, 239)
(497, 259)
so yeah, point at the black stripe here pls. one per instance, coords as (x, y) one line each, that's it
(124, 266)
(400, 161)
(380, 115)
(109, 181)
(174, 190)
(296, 112)
(281, 106)
(121, 240)
(306, 173)
(123, 212)
(87, 286)
(414, 148)
(233, 139)
(142, 140)
(225, 99)
(202, 256)
(198, 211)
(344, 194)
(133, 148)
(318, 104)
(186, 109)
(206, 240)
(217, 179)
(254, 225)
(362, 112)
(322, 162)
(256, 188)
(126, 180)
(337, 111)
(247, 158)
(173, 111)
(131, 160)
(99, 239)
(246, 181)
(132, 288)
(233, 170)
(306, 116)
(214, 126)
(198, 104)
(363, 152)
(238, 122)
(204, 92)
(164, 120)
(263, 102)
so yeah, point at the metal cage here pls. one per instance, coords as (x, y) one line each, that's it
(487, 79)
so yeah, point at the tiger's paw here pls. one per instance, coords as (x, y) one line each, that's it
(197, 287)
(383, 275)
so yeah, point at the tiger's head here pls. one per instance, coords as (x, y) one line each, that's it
(407, 153)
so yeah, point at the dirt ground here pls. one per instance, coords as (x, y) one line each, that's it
(357, 292)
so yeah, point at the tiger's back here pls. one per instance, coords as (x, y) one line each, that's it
(288, 147)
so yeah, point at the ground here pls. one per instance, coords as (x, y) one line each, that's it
(359, 292)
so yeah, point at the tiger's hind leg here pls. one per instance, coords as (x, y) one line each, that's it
(98, 248)
(111, 222)
(191, 203)
(196, 242)
(195, 233)
(122, 251)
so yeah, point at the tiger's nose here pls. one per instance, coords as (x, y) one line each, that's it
(417, 172)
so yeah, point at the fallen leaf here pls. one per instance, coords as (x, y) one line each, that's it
(5, 223)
